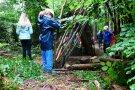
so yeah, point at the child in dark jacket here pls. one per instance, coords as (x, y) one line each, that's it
(100, 38)
(47, 26)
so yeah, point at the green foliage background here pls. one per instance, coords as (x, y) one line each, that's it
(98, 13)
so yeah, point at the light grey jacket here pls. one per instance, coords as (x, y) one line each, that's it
(24, 32)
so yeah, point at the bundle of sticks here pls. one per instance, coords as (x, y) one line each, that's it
(68, 41)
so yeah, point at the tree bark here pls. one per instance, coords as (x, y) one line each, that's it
(115, 17)
(87, 41)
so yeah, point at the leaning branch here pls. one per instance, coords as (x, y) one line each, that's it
(61, 13)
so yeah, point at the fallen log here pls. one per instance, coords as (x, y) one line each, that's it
(82, 59)
(113, 60)
(83, 66)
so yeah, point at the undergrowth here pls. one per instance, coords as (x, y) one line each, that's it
(16, 70)
(91, 76)
(125, 49)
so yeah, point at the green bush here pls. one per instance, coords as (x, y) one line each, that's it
(130, 70)
(115, 72)
(125, 49)
(125, 43)
(16, 70)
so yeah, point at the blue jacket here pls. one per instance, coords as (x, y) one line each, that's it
(47, 27)
(107, 37)
(24, 32)
(100, 35)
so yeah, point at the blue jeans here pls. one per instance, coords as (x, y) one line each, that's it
(47, 60)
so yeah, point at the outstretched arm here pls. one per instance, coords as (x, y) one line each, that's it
(54, 24)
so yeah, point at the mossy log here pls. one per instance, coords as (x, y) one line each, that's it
(91, 66)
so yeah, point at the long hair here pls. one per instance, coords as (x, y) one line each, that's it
(23, 20)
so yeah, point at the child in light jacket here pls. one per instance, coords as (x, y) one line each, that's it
(24, 30)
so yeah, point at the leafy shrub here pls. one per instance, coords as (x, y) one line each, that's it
(4, 84)
(131, 71)
(125, 46)
(18, 70)
(125, 49)
(115, 72)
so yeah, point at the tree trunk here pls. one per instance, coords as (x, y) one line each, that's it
(115, 18)
(87, 41)
(95, 31)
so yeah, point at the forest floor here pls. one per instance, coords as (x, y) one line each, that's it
(59, 81)
(62, 81)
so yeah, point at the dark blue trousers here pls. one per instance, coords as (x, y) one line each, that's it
(106, 45)
(99, 43)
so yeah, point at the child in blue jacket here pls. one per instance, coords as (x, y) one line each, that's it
(107, 38)
(47, 26)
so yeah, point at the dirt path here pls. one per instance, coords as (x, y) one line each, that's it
(98, 51)
(57, 82)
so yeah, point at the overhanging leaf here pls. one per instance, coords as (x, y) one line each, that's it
(131, 79)
(133, 67)
(132, 87)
